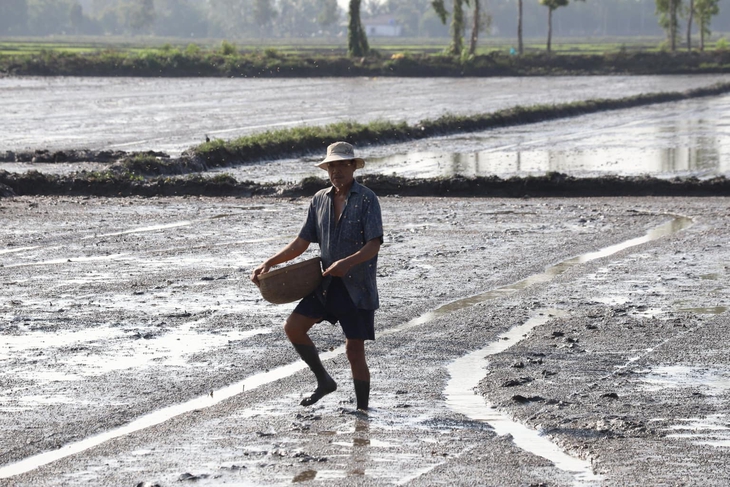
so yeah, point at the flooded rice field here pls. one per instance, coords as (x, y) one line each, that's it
(170, 115)
(550, 341)
(689, 138)
(545, 341)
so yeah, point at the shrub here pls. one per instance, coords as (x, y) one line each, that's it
(271, 53)
(228, 49)
(192, 50)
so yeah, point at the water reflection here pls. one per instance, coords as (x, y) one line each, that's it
(701, 161)
(360, 447)
(685, 139)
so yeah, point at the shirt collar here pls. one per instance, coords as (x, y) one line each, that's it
(355, 188)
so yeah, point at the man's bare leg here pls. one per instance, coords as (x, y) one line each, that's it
(360, 371)
(297, 326)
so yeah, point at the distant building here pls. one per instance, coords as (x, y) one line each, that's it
(383, 26)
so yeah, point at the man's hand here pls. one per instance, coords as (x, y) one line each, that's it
(338, 269)
(262, 269)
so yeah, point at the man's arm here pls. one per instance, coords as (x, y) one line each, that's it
(294, 249)
(343, 266)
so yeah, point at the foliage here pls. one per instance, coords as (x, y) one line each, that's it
(705, 10)
(192, 50)
(554, 4)
(357, 42)
(457, 23)
(228, 49)
(669, 11)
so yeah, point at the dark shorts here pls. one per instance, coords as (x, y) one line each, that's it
(356, 323)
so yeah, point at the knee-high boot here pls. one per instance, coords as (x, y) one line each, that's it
(325, 383)
(362, 393)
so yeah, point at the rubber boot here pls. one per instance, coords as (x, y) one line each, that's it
(362, 393)
(325, 383)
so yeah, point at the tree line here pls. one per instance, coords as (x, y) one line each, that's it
(681, 20)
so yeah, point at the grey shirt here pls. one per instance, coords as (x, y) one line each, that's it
(359, 223)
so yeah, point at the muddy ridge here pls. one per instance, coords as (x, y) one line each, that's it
(34, 183)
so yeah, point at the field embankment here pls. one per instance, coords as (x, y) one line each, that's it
(172, 62)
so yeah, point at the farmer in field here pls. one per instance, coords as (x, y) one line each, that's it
(345, 221)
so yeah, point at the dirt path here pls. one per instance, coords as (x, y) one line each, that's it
(115, 308)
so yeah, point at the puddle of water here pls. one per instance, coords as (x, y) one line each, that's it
(710, 277)
(714, 310)
(713, 430)
(503, 162)
(462, 398)
(712, 381)
(152, 228)
(677, 224)
(65, 260)
(257, 380)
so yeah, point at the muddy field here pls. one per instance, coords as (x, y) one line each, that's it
(135, 352)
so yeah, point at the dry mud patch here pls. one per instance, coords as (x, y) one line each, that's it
(116, 307)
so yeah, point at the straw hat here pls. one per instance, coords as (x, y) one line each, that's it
(341, 151)
(292, 282)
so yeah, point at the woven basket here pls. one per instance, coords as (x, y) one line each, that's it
(291, 282)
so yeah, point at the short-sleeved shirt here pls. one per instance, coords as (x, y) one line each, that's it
(360, 222)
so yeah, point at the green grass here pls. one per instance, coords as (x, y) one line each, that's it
(415, 57)
(11, 46)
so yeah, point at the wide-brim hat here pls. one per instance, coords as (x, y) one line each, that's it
(341, 151)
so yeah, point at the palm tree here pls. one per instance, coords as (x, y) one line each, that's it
(520, 45)
(690, 12)
(357, 41)
(457, 23)
(476, 26)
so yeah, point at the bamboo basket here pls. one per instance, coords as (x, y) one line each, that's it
(292, 282)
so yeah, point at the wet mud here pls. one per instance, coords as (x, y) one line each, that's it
(117, 309)
(551, 184)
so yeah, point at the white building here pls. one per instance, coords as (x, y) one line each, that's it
(382, 26)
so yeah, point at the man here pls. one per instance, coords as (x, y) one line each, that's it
(346, 222)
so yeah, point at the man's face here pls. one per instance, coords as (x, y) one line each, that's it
(341, 173)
